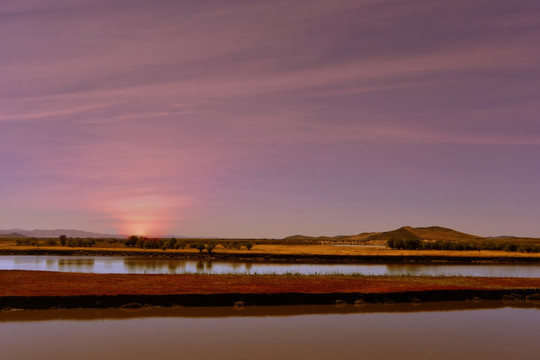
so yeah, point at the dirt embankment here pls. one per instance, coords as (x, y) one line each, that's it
(42, 290)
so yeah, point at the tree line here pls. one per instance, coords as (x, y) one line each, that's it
(417, 244)
(173, 243)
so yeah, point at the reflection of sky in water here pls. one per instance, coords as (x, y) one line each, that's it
(124, 265)
(495, 334)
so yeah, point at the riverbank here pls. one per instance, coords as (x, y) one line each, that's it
(42, 290)
(293, 254)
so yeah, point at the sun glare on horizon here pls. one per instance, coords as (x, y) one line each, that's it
(143, 215)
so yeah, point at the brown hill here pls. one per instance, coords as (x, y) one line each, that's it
(358, 237)
(441, 233)
(424, 233)
(403, 233)
(299, 237)
(408, 233)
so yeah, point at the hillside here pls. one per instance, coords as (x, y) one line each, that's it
(12, 235)
(424, 233)
(403, 233)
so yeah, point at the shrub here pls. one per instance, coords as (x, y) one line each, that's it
(510, 247)
(210, 246)
(131, 241)
(168, 244)
(22, 242)
(80, 242)
(200, 246)
(51, 242)
(407, 244)
(180, 244)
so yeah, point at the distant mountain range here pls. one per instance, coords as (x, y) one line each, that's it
(404, 233)
(56, 233)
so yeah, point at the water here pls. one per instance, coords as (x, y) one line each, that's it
(272, 333)
(130, 265)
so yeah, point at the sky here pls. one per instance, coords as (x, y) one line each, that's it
(270, 118)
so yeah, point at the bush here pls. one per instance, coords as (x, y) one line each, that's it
(180, 244)
(80, 242)
(22, 242)
(210, 246)
(408, 244)
(200, 246)
(51, 242)
(169, 244)
(510, 247)
(131, 241)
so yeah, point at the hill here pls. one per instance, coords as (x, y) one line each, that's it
(424, 233)
(12, 235)
(56, 233)
(403, 233)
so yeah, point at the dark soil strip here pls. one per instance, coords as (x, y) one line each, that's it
(531, 296)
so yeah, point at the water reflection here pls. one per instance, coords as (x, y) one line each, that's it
(129, 265)
(151, 266)
(256, 311)
(501, 333)
(76, 265)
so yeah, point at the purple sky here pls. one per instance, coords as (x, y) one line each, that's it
(270, 118)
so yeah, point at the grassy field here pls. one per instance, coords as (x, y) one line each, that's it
(42, 283)
(274, 249)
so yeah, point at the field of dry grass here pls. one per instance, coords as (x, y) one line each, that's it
(42, 283)
(276, 249)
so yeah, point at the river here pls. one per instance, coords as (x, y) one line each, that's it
(131, 265)
(303, 332)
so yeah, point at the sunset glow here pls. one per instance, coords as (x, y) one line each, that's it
(144, 215)
(269, 118)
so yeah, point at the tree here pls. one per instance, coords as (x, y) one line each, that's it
(63, 239)
(200, 246)
(131, 241)
(210, 246)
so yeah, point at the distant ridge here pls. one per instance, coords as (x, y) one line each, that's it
(13, 234)
(56, 233)
(424, 233)
(403, 233)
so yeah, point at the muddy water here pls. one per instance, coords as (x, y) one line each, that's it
(384, 332)
(129, 265)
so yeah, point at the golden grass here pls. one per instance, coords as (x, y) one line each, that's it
(274, 249)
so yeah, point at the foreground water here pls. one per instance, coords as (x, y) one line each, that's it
(128, 265)
(383, 332)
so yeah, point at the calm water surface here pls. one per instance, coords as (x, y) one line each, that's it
(503, 333)
(129, 265)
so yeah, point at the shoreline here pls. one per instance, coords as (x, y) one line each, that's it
(120, 313)
(240, 300)
(50, 290)
(421, 256)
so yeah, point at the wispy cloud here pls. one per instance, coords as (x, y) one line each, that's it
(164, 106)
